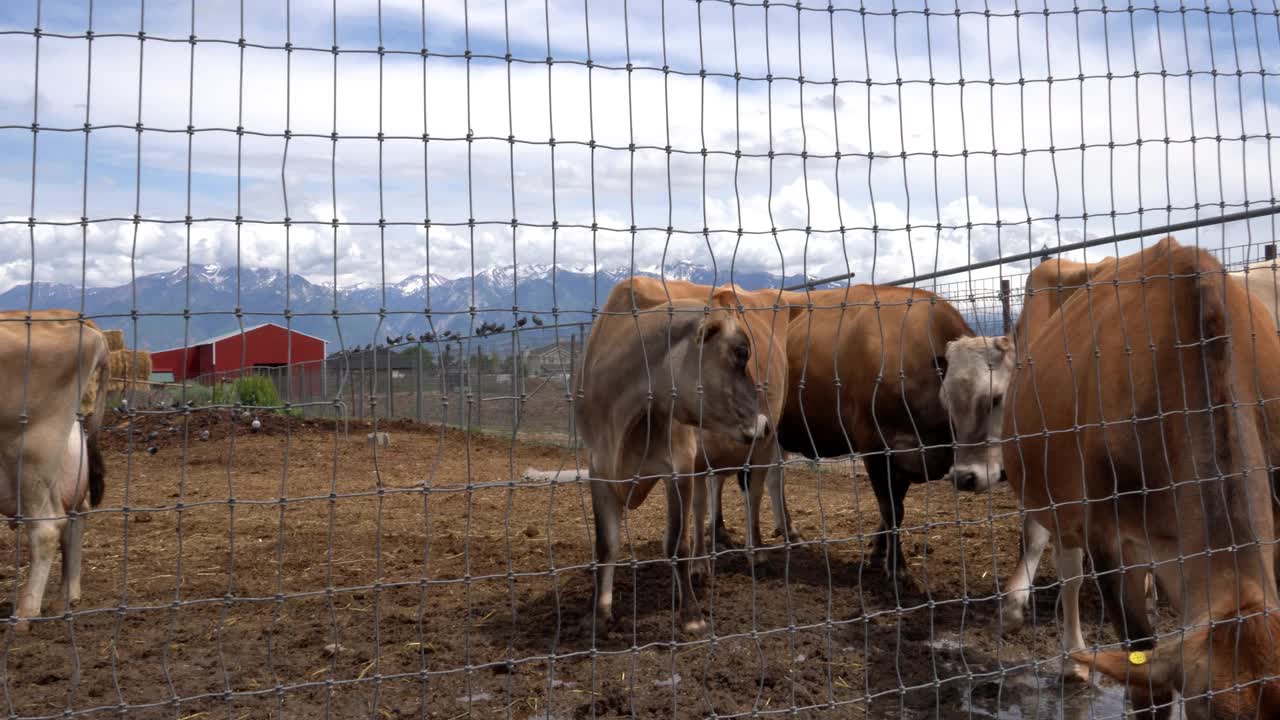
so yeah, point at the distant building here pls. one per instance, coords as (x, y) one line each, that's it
(260, 346)
(553, 359)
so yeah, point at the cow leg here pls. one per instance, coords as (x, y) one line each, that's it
(1070, 562)
(701, 561)
(782, 526)
(1018, 592)
(715, 487)
(755, 496)
(1124, 599)
(43, 536)
(607, 508)
(680, 490)
(890, 489)
(72, 541)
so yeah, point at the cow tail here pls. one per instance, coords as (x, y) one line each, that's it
(1215, 346)
(93, 425)
(97, 471)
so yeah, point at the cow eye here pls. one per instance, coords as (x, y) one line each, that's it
(997, 399)
(740, 354)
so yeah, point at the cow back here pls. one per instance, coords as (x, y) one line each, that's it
(865, 374)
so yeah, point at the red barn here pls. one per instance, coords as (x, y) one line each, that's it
(265, 345)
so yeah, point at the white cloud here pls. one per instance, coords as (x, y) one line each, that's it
(962, 187)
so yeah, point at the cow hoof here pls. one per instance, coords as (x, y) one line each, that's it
(597, 623)
(1073, 672)
(695, 627)
(724, 542)
(896, 570)
(1011, 619)
(792, 535)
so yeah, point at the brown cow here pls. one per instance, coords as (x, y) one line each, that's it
(49, 457)
(648, 382)
(1131, 407)
(721, 456)
(865, 366)
(1049, 285)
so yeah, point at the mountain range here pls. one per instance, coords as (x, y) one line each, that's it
(213, 293)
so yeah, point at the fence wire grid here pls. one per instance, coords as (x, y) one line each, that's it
(382, 319)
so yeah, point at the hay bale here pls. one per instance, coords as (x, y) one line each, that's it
(115, 339)
(130, 365)
(142, 364)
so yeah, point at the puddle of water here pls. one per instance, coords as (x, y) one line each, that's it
(1027, 695)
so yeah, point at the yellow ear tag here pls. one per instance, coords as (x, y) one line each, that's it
(1137, 657)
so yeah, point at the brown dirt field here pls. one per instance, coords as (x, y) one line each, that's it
(544, 412)
(454, 588)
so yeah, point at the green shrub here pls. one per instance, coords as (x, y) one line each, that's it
(256, 390)
(194, 393)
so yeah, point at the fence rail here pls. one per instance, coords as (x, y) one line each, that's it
(472, 384)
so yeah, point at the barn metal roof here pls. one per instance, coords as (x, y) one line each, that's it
(246, 331)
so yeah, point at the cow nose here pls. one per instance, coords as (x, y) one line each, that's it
(1004, 477)
(966, 480)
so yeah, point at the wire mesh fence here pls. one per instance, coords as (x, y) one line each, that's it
(407, 308)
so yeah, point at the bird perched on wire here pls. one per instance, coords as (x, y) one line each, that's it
(429, 337)
(410, 338)
(497, 328)
(520, 322)
(537, 321)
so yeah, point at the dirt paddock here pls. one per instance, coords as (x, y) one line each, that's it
(290, 573)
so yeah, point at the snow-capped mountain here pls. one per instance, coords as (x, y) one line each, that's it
(368, 312)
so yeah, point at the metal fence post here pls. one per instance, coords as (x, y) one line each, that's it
(359, 399)
(391, 386)
(444, 385)
(515, 379)
(478, 392)
(1007, 314)
(417, 384)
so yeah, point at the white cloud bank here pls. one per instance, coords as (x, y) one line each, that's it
(1095, 146)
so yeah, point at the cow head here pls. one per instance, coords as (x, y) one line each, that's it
(718, 363)
(977, 373)
(1228, 670)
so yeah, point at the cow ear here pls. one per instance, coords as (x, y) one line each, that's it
(1139, 669)
(724, 297)
(1004, 344)
(711, 325)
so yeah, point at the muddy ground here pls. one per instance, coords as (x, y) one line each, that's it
(296, 573)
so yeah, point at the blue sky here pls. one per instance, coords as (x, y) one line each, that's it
(266, 90)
